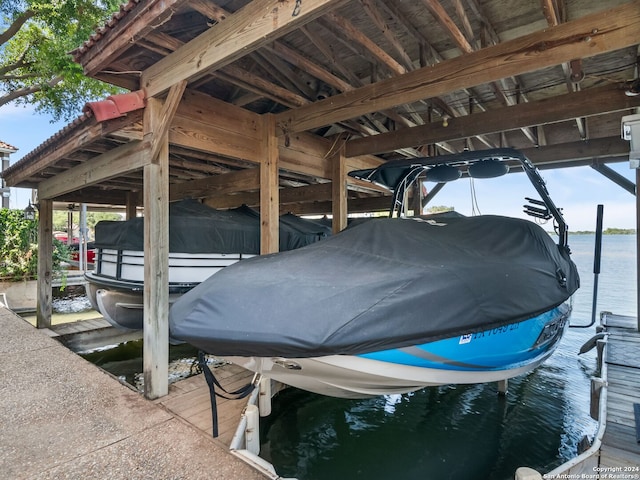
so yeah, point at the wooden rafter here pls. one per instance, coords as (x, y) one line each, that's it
(554, 13)
(587, 36)
(555, 109)
(252, 27)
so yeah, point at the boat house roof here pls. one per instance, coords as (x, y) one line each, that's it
(374, 80)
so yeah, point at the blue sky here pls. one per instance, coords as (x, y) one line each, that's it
(576, 190)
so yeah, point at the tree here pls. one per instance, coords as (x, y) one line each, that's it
(35, 66)
(61, 219)
(19, 247)
(439, 209)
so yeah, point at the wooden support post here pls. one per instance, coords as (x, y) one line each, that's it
(44, 307)
(131, 206)
(156, 263)
(269, 189)
(503, 387)
(155, 357)
(339, 185)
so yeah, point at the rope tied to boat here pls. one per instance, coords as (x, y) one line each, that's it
(213, 382)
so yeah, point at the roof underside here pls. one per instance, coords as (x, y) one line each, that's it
(346, 50)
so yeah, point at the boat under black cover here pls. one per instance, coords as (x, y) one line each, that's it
(386, 283)
(393, 305)
(202, 242)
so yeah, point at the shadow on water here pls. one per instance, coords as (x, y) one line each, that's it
(447, 432)
(125, 361)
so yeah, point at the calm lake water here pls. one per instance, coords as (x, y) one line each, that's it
(459, 432)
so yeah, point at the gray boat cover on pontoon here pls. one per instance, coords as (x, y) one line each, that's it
(386, 283)
(197, 228)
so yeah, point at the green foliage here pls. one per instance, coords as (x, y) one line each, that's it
(19, 247)
(607, 231)
(60, 219)
(619, 231)
(439, 209)
(35, 67)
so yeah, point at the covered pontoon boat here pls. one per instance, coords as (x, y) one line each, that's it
(396, 304)
(202, 241)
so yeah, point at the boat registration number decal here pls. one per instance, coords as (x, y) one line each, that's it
(487, 333)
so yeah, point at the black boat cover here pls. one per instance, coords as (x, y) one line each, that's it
(386, 283)
(197, 228)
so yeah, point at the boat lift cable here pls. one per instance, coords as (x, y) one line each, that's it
(212, 382)
(475, 208)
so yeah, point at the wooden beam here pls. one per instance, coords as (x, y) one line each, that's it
(585, 103)
(589, 150)
(253, 26)
(156, 260)
(206, 124)
(48, 154)
(289, 197)
(256, 84)
(339, 186)
(370, 204)
(550, 12)
(380, 21)
(240, 181)
(158, 116)
(98, 196)
(447, 23)
(269, 195)
(591, 35)
(305, 153)
(163, 122)
(125, 158)
(615, 177)
(353, 34)
(44, 307)
(303, 63)
(136, 24)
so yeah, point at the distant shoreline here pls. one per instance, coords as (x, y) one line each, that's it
(608, 231)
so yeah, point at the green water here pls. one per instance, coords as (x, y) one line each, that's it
(458, 432)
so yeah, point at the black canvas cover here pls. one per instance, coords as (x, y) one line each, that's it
(197, 228)
(386, 283)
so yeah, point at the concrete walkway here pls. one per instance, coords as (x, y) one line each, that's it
(61, 417)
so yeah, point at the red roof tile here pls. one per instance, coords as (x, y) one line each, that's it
(116, 106)
(102, 31)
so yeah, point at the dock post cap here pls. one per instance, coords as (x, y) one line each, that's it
(526, 473)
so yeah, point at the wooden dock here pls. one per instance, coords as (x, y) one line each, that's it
(616, 447)
(620, 447)
(89, 334)
(189, 399)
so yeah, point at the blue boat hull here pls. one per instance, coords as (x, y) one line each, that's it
(486, 356)
(503, 348)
